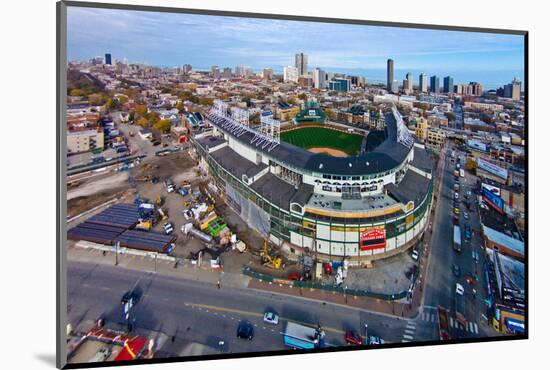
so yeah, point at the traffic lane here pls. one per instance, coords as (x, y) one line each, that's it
(335, 319)
(439, 276)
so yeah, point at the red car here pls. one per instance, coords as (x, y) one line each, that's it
(455, 219)
(353, 338)
(294, 276)
(328, 268)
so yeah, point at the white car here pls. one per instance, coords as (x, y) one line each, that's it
(466, 215)
(414, 255)
(271, 318)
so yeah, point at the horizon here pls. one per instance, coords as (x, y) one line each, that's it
(172, 39)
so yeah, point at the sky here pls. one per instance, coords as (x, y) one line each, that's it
(168, 39)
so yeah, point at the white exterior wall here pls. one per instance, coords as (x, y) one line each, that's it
(243, 150)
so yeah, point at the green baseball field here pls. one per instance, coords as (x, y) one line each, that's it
(324, 140)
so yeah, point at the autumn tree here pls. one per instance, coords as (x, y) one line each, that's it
(163, 125)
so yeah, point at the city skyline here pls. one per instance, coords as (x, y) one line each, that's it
(168, 40)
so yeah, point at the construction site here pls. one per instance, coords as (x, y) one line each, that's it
(166, 206)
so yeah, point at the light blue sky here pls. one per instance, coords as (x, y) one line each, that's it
(167, 39)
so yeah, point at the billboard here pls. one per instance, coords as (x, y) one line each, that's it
(492, 168)
(491, 188)
(492, 199)
(374, 238)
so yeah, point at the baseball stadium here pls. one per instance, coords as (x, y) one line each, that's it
(316, 186)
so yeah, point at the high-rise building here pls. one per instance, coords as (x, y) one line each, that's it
(186, 68)
(394, 87)
(340, 84)
(389, 80)
(226, 72)
(513, 90)
(267, 74)
(248, 72)
(448, 86)
(300, 62)
(409, 78)
(108, 59)
(239, 71)
(423, 82)
(434, 84)
(215, 72)
(319, 78)
(290, 74)
(475, 88)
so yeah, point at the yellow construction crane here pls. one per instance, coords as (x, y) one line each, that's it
(273, 262)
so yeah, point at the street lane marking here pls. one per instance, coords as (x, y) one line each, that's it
(471, 326)
(409, 331)
(259, 315)
(409, 337)
(405, 341)
(475, 328)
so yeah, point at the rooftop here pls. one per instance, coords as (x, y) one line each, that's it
(328, 202)
(235, 164)
(386, 156)
(413, 187)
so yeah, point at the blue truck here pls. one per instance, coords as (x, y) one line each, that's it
(303, 337)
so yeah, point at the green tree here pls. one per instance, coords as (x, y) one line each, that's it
(302, 96)
(206, 101)
(142, 121)
(122, 99)
(141, 110)
(163, 125)
(77, 92)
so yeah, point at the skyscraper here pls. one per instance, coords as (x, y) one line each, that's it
(423, 82)
(267, 74)
(448, 85)
(108, 58)
(300, 62)
(410, 82)
(319, 78)
(389, 80)
(513, 90)
(239, 71)
(226, 72)
(434, 84)
(290, 74)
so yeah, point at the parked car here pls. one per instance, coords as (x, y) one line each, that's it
(414, 255)
(168, 228)
(466, 215)
(245, 330)
(271, 318)
(352, 337)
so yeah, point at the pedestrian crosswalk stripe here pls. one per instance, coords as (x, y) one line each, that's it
(405, 341)
(411, 324)
(457, 325)
(409, 331)
(475, 328)
(452, 322)
(408, 337)
(471, 326)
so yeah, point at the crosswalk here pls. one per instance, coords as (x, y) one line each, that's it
(470, 326)
(410, 330)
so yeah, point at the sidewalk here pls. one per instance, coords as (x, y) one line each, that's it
(184, 269)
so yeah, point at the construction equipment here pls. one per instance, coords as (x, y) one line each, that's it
(163, 214)
(145, 225)
(206, 221)
(159, 201)
(210, 208)
(274, 262)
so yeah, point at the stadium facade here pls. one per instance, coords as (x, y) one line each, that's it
(364, 207)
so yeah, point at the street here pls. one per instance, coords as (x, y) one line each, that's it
(440, 284)
(197, 312)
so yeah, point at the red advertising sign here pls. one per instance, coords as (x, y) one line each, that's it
(373, 239)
